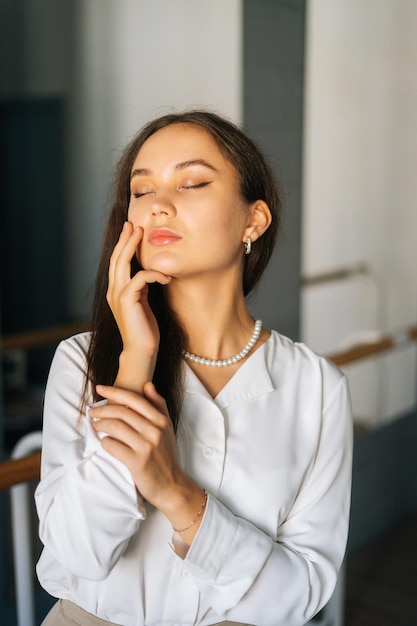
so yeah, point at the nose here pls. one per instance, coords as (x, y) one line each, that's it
(162, 205)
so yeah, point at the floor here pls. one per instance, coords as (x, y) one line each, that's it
(381, 579)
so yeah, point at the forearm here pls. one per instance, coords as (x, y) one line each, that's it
(135, 369)
(244, 575)
(185, 508)
(88, 509)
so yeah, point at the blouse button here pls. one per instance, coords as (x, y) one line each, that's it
(209, 451)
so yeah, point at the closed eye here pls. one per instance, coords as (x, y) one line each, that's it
(197, 186)
(140, 194)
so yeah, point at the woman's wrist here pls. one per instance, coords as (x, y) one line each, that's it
(185, 508)
(196, 518)
(135, 369)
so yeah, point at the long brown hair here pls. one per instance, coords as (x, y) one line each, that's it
(256, 183)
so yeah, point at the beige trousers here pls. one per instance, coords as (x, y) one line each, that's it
(66, 613)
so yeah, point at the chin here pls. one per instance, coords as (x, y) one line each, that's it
(164, 263)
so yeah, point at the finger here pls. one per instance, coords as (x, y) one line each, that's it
(128, 244)
(154, 397)
(145, 277)
(114, 411)
(135, 291)
(132, 430)
(123, 237)
(119, 450)
(119, 429)
(129, 400)
(124, 251)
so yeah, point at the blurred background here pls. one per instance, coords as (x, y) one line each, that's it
(328, 88)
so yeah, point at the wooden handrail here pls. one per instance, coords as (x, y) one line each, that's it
(337, 274)
(41, 337)
(38, 338)
(15, 471)
(385, 342)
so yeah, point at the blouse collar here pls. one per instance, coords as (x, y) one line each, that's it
(251, 380)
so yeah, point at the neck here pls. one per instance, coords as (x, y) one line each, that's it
(231, 360)
(216, 321)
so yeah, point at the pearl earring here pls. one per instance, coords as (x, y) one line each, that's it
(248, 245)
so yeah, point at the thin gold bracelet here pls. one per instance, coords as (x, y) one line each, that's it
(199, 514)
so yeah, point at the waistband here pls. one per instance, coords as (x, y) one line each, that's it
(82, 617)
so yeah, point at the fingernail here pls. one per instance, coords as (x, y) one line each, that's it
(91, 415)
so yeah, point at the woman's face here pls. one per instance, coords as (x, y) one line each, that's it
(185, 195)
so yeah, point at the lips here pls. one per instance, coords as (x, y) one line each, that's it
(162, 236)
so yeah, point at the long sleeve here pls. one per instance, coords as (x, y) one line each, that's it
(274, 451)
(87, 503)
(250, 574)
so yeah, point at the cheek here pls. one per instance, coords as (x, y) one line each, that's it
(234, 222)
(131, 215)
(223, 234)
(136, 214)
(142, 256)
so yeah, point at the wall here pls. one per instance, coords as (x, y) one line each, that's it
(273, 113)
(130, 65)
(384, 483)
(34, 48)
(116, 65)
(360, 188)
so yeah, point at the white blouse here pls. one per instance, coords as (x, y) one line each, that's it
(274, 451)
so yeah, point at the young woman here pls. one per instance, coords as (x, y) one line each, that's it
(209, 481)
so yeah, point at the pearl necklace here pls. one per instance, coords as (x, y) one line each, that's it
(234, 359)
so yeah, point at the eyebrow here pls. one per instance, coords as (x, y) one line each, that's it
(177, 168)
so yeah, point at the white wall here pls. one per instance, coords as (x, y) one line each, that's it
(360, 186)
(134, 60)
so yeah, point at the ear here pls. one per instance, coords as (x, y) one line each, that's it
(259, 220)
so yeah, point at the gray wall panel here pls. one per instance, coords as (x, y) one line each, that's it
(273, 115)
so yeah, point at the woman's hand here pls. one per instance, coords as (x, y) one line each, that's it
(128, 299)
(142, 437)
